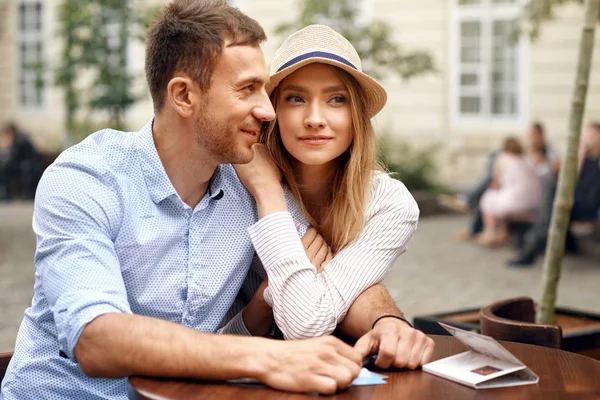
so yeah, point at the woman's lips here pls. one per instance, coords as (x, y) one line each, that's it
(315, 140)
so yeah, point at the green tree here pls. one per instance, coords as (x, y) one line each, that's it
(568, 172)
(539, 11)
(95, 37)
(373, 41)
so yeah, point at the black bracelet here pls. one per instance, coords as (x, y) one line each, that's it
(391, 316)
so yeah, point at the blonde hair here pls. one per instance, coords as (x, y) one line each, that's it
(344, 209)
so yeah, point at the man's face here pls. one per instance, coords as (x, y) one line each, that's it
(229, 119)
(591, 141)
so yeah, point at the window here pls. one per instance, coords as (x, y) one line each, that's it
(233, 3)
(30, 52)
(487, 65)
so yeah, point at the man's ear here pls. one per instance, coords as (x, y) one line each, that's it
(181, 93)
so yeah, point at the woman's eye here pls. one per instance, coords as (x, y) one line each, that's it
(293, 98)
(338, 99)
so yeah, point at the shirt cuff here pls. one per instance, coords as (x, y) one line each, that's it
(73, 317)
(236, 326)
(274, 238)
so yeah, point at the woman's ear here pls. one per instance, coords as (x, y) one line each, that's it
(181, 94)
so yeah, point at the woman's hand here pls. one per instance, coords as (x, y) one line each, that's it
(260, 173)
(262, 178)
(317, 249)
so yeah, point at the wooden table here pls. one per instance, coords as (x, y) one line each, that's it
(562, 375)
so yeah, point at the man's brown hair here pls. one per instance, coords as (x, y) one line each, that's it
(188, 36)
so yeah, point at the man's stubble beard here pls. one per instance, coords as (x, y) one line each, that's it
(216, 139)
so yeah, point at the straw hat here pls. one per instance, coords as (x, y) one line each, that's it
(320, 43)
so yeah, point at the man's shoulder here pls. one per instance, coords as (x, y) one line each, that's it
(99, 153)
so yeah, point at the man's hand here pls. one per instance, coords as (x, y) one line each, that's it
(398, 345)
(321, 365)
(317, 250)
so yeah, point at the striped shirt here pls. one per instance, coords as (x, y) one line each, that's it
(309, 304)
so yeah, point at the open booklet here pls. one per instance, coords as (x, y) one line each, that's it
(486, 365)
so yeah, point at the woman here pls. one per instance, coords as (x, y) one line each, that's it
(514, 193)
(323, 143)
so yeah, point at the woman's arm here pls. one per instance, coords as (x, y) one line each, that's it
(307, 303)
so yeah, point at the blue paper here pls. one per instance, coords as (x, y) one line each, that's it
(366, 377)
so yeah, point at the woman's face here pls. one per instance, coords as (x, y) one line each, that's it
(314, 115)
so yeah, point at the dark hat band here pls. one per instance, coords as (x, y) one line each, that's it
(316, 54)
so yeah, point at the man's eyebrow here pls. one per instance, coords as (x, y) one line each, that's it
(250, 80)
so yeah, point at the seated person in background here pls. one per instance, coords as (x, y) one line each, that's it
(323, 143)
(21, 162)
(470, 201)
(540, 162)
(513, 194)
(536, 142)
(586, 198)
(586, 201)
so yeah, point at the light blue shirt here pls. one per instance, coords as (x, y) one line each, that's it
(114, 236)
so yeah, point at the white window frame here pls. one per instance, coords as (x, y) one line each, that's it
(486, 13)
(41, 36)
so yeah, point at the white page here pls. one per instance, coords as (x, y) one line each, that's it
(482, 344)
(472, 368)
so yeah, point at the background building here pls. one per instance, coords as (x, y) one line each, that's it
(486, 87)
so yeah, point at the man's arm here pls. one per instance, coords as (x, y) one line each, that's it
(397, 343)
(368, 306)
(82, 281)
(119, 345)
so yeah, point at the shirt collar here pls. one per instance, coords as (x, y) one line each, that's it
(158, 183)
(216, 184)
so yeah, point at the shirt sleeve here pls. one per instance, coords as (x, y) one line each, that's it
(76, 212)
(306, 304)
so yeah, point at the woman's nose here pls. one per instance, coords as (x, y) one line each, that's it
(315, 119)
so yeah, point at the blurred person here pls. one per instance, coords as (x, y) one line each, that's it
(142, 238)
(540, 162)
(537, 143)
(21, 162)
(470, 200)
(323, 143)
(514, 193)
(586, 199)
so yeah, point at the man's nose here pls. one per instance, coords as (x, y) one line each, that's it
(264, 111)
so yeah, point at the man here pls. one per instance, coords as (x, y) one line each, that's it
(19, 160)
(142, 240)
(536, 138)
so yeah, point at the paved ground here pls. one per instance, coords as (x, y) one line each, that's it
(436, 274)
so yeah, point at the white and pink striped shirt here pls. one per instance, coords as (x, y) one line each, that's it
(310, 304)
